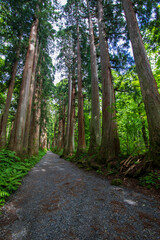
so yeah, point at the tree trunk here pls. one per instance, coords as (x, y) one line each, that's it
(109, 130)
(69, 114)
(31, 91)
(95, 128)
(4, 118)
(81, 131)
(34, 135)
(72, 118)
(149, 89)
(43, 136)
(16, 142)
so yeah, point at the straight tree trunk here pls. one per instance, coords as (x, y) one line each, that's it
(43, 136)
(95, 128)
(34, 135)
(4, 118)
(68, 114)
(81, 131)
(31, 91)
(61, 126)
(72, 118)
(149, 89)
(17, 138)
(110, 143)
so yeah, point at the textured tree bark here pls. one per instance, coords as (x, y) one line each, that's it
(68, 114)
(43, 136)
(109, 145)
(17, 138)
(72, 118)
(149, 89)
(4, 118)
(81, 131)
(34, 135)
(30, 100)
(95, 128)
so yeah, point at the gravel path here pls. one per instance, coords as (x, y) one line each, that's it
(58, 201)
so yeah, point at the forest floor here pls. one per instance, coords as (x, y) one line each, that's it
(59, 201)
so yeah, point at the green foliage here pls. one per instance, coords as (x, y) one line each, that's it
(151, 179)
(131, 116)
(111, 171)
(116, 182)
(12, 170)
(99, 171)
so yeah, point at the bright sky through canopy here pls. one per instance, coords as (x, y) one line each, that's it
(62, 2)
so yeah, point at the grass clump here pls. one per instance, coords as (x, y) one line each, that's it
(116, 182)
(12, 170)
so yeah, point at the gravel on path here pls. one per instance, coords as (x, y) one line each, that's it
(59, 201)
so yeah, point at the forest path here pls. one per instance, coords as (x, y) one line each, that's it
(59, 201)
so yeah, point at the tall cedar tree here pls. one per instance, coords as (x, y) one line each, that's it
(110, 143)
(31, 92)
(149, 89)
(81, 130)
(34, 135)
(71, 145)
(95, 128)
(17, 136)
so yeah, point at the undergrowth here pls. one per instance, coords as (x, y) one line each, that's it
(12, 170)
(114, 168)
(151, 179)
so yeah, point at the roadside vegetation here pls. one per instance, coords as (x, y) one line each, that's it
(12, 171)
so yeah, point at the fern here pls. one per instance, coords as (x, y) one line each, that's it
(12, 170)
(4, 194)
